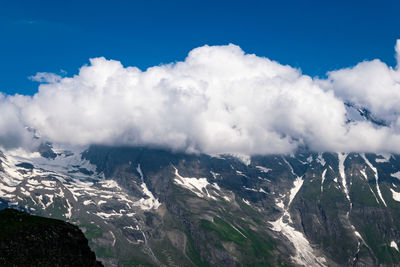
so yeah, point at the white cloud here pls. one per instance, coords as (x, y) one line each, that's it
(12, 130)
(370, 84)
(219, 100)
(397, 49)
(44, 77)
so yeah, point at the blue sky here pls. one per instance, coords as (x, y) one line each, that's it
(316, 36)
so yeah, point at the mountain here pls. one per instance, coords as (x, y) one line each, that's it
(27, 240)
(356, 113)
(154, 207)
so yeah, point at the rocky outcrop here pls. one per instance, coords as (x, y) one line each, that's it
(27, 240)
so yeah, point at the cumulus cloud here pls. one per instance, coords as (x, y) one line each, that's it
(397, 48)
(13, 132)
(44, 77)
(370, 84)
(219, 100)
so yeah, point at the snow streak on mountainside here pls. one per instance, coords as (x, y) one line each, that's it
(376, 178)
(305, 255)
(342, 158)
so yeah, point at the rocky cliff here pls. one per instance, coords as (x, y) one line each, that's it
(27, 240)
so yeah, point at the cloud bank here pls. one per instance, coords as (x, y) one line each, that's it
(219, 100)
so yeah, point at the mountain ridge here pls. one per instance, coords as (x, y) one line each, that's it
(157, 207)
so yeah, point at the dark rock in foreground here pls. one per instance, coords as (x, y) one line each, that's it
(27, 240)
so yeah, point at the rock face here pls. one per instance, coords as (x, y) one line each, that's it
(27, 240)
(153, 207)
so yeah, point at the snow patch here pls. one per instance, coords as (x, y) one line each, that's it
(101, 202)
(51, 198)
(196, 185)
(305, 255)
(378, 189)
(114, 239)
(395, 195)
(24, 192)
(48, 183)
(290, 166)
(69, 212)
(386, 158)
(298, 183)
(364, 174)
(323, 179)
(263, 169)
(320, 159)
(33, 182)
(87, 202)
(216, 186)
(245, 159)
(396, 175)
(254, 190)
(108, 215)
(262, 191)
(150, 202)
(215, 174)
(6, 188)
(226, 198)
(246, 201)
(342, 158)
(241, 174)
(394, 245)
(110, 184)
(239, 231)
